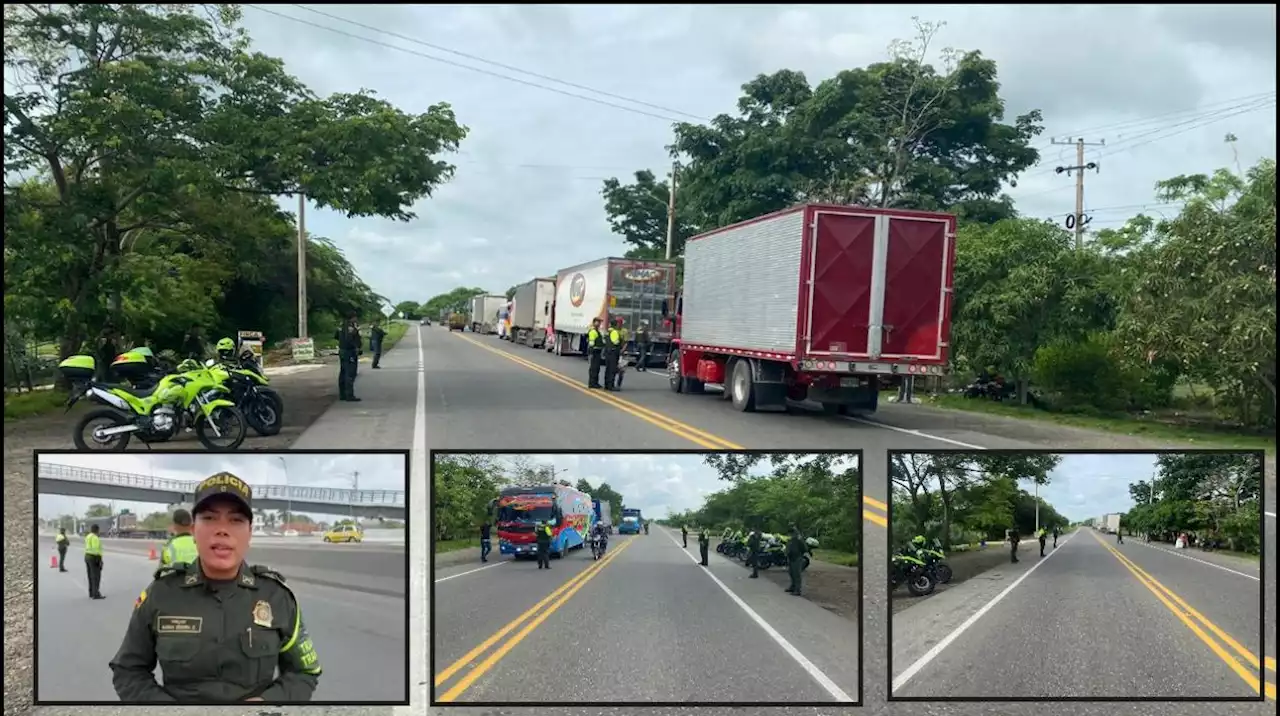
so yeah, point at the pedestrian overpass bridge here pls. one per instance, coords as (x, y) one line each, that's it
(54, 479)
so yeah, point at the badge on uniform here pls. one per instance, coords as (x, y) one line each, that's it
(141, 598)
(262, 614)
(192, 579)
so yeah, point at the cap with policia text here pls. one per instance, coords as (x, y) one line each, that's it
(226, 486)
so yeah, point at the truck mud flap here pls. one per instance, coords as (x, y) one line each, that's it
(770, 384)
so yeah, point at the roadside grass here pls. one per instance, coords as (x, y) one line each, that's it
(25, 405)
(833, 556)
(1123, 425)
(453, 545)
(395, 331)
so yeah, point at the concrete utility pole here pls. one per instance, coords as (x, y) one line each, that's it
(1077, 221)
(671, 210)
(302, 265)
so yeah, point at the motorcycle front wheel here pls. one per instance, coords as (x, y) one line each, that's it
(944, 572)
(921, 585)
(231, 424)
(265, 413)
(95, 420)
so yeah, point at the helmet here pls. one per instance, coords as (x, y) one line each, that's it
(812, 542)
(226, 348)
(918, 540)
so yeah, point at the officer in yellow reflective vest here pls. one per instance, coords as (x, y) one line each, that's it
(93, 561)
(542, 536)
(63, 543)
(595, 347)
(181, 548)
(612, 352)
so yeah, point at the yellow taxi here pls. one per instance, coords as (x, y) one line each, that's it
(344, 533)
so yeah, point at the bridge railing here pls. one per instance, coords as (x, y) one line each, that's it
(301, 493)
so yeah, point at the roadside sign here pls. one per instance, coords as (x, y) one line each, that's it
(387, 311)
(304, 350)
(254, 341)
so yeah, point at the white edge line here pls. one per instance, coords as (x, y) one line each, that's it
(469, 571)
(823, 680)
(419, 529)
(916, 433)
(1272, 515)
(933, 653)
(1197, 559)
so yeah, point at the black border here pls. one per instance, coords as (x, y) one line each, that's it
(1261, 455)
(431, 586)
(35, 572)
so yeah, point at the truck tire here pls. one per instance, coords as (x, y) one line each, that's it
(742, 386)
(674, 379)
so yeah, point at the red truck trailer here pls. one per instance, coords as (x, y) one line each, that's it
(815, 302)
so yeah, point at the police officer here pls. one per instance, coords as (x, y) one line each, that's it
(193, 344)
(543, 537)
(1119, 537)
(704, 542)
(93, 561)
(221, 630)
(595, 349)
(348, 337)
(643, 345)
(612, 353)
(1014, 538)
(62, 543)
(376, 334)
(1055, 537)
(486, 543)
(181, 547)
(1043, 536)
(796, 549)
(684, 535)
(753, 552)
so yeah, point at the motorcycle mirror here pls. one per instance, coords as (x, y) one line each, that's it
(210, 363)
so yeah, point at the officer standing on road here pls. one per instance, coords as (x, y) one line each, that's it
(1055, 537)
(348, 358)
(612, 353)
(543, 537)
(704, 542)
(221, 630)
(486, 546)
(796, 549)
(62, 543)
(93, 561)
(376, 334)
(1014, 538)
(684, 535)
(1119, 536)
(1043, 536)
(595, 349)
(753, 551)
(643, 346)
(181, 547)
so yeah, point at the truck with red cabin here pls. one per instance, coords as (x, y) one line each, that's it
(816, 302)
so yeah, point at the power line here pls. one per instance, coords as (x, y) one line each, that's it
(512, 68)
(1199, 109)
(482, 71)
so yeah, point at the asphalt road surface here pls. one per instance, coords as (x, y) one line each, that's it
(359, 633)
(1092, 619)
(645, 624)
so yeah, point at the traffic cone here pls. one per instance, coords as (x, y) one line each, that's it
(53, 561)
(152, 554)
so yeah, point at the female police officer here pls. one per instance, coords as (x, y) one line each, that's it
(219, 628)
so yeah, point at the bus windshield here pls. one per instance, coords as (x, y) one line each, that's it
(525, 509)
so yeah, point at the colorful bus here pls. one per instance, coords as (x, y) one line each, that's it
(517, 510)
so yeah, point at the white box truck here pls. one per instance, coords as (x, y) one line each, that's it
(484, 312)
(531, 312)
(635, 290)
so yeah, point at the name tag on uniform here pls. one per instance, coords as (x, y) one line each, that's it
(179, 625)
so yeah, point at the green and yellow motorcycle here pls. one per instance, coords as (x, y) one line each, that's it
(191, 397)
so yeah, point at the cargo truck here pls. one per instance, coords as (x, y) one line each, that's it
(484, 313)
(531, 312)
(602, 514)
(632, 522)
(632, 289)
(1111, 523)
(816, 302)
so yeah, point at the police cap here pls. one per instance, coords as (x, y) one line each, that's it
(224, 485)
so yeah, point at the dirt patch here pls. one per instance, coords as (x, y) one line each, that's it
(965, 566)
(833, 587)
(307, 395)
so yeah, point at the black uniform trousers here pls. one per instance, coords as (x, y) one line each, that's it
(62, 559)
(544, 556)
(795, 569)
(593, 368)
(93, 565)
(1013, 551)
(611, 356)
(348, 361)
(702, 550)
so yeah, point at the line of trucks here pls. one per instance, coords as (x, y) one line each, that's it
(1109, 523)
(817, 302)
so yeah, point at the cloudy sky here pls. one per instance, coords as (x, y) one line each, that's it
(377, 472)
(1162, 86)
(657, 484)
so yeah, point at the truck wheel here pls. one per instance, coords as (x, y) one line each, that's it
(743, 387)
(674, 379)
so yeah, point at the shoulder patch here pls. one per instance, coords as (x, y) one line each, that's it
(264, 571)
(170, 570)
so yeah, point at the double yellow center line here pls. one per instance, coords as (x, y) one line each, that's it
(874, 510)
(1189, 616)
(535, 615)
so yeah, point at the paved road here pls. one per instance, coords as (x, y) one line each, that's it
(360, 635)
(1092, 619)
(648, 624)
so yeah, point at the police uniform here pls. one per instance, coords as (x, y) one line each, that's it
(612, 352)
(62, 543)
(704, 542)
(216, 640)
(181, 549)
(1014, 538)
(753, 552)
(543, 538)
(1042, 536)
(595, 347)
(684, 536)
(93, 563)
(348, 359)
(796, 549)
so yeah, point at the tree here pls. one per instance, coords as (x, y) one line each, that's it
(456, 301)
(409, 309)
(97, 510)
(133, 111)
(638, 213)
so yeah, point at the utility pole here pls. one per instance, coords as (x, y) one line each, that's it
(355, 489)
(671, 209)
(302, 265)
(1077, 221)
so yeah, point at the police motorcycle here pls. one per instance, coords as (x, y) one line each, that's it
(189, 398)
(935, 559)
(774, 552)
(242, 373)
(597, 545)
(912, 571)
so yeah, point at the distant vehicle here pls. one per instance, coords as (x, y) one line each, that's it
(290, 533)
(602, 515)
(632, 522)
(484, 312)
(425, 322)
(635, 290)
(518, 510)
(457, 322)
(344, 533)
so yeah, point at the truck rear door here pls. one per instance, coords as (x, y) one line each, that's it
(917, 285)
(841, 248)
